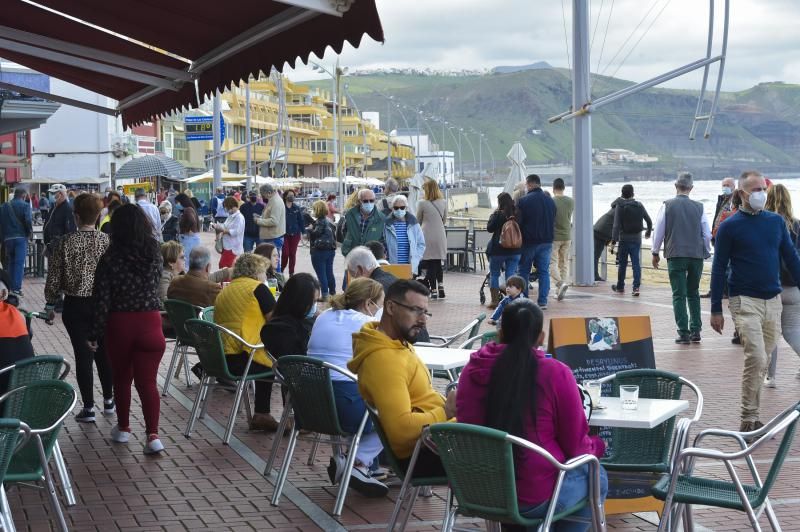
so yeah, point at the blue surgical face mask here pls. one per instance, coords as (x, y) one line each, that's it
(313, 311)
(401, 213)
(367, 207)
(179, 207)
(726, 191)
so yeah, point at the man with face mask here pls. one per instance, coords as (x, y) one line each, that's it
(363, 222)
(755, 242)
(393, 379)
(682, 226)
(251, 209)
(272, 222)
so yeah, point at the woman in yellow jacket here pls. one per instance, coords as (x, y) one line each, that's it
(242, 307)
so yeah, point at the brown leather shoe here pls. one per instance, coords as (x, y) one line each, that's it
(264, 422)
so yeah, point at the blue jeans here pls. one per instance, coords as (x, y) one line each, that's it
(322, 261)
(634, 249)
(249, 243)
(575, 488)
(537, 255)
(509, 263)
(16, 251)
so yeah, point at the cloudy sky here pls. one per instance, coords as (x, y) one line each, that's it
(477, 34)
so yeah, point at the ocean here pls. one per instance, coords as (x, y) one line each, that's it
(653, 193)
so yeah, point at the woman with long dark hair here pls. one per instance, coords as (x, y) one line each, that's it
(511, 386)
(500, 257)
(188, 223)
(126, 314)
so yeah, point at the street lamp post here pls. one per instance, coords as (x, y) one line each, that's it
(389, 138)
(335, 78)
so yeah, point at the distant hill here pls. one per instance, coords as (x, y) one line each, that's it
(511, 69)
(756, 127)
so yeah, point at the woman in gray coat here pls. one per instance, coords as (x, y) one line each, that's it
(431, 214)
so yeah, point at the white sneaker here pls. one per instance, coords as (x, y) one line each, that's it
(120, 436)
(562, 291)
(769, 382)
(154, 445)
(362, 482)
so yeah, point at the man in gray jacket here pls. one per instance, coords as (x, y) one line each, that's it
(272, 222)
(682, 226)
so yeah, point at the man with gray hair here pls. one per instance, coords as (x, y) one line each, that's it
(363, 222)
(272, 222)
(390, 189)
(360, 262)
(682, 226)
(151, 211)
(198, 286)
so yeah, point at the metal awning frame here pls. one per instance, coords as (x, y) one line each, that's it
(158, 77)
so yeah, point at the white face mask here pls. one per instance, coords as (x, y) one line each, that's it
(758, 200)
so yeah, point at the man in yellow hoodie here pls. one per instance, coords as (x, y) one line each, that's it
(393, 378)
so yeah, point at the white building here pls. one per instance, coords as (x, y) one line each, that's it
(428, 152)
(76, 143)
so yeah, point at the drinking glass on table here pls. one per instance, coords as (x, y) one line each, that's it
(595, 389)
(272, 284)
(629, 397)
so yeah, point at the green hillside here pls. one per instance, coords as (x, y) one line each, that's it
(759, 125)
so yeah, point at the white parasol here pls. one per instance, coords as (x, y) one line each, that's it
(518, 168)
(415, 186)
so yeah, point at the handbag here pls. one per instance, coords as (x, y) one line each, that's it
(218, 244)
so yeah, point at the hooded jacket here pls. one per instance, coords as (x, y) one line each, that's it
(416, 241)
(561, 427)
(393, 379)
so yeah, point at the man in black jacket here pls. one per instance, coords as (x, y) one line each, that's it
(629, 216)
(61, 221)
(602, 236)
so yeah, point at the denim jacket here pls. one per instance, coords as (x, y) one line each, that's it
(15, 219)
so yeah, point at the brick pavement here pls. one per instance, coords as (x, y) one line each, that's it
(200, 484)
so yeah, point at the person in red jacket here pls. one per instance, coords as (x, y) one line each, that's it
(15, 341)
(511, 386)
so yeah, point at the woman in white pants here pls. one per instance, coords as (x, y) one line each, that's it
(780, 202)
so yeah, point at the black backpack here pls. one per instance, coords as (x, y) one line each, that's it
(631, 217)
(341, 229)
(326, 240)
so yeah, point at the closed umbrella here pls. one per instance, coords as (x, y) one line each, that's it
(151, 166)
(415, 186)
(518, 168)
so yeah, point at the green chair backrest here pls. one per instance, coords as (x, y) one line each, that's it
(179, 312)
(480, 466)
(28, 371)
(9, 435)
(207, 342)
(43, 404)
(646, 446)
(207, 314)
(777, 462)
(311, 393)
(487, 337)
(475, 328)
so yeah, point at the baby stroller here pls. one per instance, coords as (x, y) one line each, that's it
(532, 279)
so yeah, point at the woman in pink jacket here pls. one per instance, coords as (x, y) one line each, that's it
(511, 386)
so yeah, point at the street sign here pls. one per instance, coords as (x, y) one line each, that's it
(201, 128)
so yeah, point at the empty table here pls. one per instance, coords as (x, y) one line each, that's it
(649, 414)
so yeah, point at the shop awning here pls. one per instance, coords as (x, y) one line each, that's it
(157, 56)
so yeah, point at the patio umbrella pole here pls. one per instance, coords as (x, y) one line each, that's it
(217, 142)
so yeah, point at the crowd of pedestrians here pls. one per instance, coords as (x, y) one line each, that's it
(114, 262)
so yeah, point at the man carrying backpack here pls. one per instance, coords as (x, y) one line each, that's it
(629, 219)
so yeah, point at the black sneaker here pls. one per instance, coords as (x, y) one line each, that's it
(198, 371)
(109, 407)
(736, 338)
(684, 339)
(695, 337)
(366, 485)
(336, 468)
(635, 292)
(86, 415)
(441, 293)
(618, 289)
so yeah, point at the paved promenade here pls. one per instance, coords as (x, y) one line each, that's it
(200, 484)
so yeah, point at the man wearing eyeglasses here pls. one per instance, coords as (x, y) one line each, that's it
(363, 222)
(393, 379)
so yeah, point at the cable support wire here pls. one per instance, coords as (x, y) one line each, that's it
(602, 46)
(628, 39)
(566, 35)
(642, 37)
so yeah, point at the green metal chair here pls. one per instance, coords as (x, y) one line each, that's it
(27, 371)
(470, 329)
(480, 466)
(10, 442)
(43, 405)
(206, 339)
(681, 487)
(179, 312)
(648, 450)
(410, 481)
(313, 405)
(485, 338)
(207, 314)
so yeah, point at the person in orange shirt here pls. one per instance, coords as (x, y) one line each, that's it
(15, 341)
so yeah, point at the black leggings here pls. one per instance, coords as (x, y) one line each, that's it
(77, 316)
(236, 365)
(599, 244)
(433, 272)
